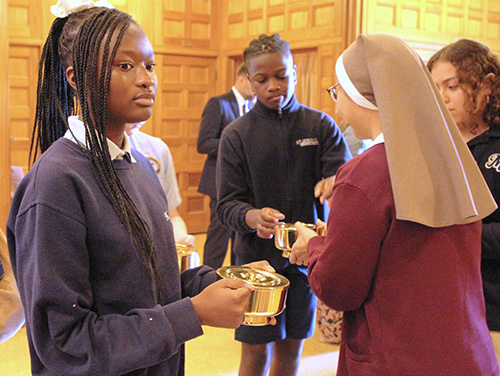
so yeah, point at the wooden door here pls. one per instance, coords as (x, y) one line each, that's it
(185, 85)
(27, 26)
(308, 81)
(23, 64)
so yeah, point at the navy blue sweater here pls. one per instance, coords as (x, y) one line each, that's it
(90, 304)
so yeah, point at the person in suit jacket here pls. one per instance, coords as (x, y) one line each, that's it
(218, 113)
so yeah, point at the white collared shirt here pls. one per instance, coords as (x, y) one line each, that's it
(242, 102)
(76, 133)
(379, 139)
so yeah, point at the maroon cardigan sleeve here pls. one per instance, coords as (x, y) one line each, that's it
(342, 264)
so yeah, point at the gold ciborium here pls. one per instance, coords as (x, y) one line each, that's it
(269, 297)
(285, 234)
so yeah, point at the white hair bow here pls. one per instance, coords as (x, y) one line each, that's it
(64, 8)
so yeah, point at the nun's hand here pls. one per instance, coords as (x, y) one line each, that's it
(299, 248)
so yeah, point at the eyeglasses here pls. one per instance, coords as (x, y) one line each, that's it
(333, 93)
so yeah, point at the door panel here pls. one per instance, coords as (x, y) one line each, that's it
(23, 76)
(185, 85)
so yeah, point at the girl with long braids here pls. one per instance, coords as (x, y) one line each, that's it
(467, 74)
(92, 249)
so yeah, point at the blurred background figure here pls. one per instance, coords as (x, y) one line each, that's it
(158, 153)
(218, 113)
(16, 175)
(11, 308)
(356, 145)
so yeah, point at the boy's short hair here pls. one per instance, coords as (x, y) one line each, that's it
(266, 44)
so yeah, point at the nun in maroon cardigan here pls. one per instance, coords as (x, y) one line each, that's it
(402, 252)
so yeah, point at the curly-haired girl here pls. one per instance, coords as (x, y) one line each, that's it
(467, 74)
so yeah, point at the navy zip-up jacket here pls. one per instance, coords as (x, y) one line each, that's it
(486, 151)
(271, 158)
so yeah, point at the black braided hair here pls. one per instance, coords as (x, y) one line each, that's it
(473, 62)
(75, 41)
(55, 97)
(266, 44)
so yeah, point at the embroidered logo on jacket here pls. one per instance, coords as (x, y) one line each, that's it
(493, 162)
(307, 142)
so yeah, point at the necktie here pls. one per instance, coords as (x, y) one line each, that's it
(127, 157)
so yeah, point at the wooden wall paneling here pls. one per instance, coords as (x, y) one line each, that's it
(429, 24)
(23, 77)
(4, 120)
(47, 18)
(327, 57)
(307, 77)
(24, 19)
(143, 12)
(186, 84)
(28, 24)
(305, 23)
(353, 19)
(187, 25)
(226, 65)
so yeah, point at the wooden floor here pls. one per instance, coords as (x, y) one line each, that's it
(216, 353)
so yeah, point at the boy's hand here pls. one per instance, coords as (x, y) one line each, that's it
(261, 265)
(263, 220)
(324, 189)
(223, 303)
(299, 248)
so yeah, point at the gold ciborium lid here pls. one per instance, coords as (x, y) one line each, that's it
(258, 278)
